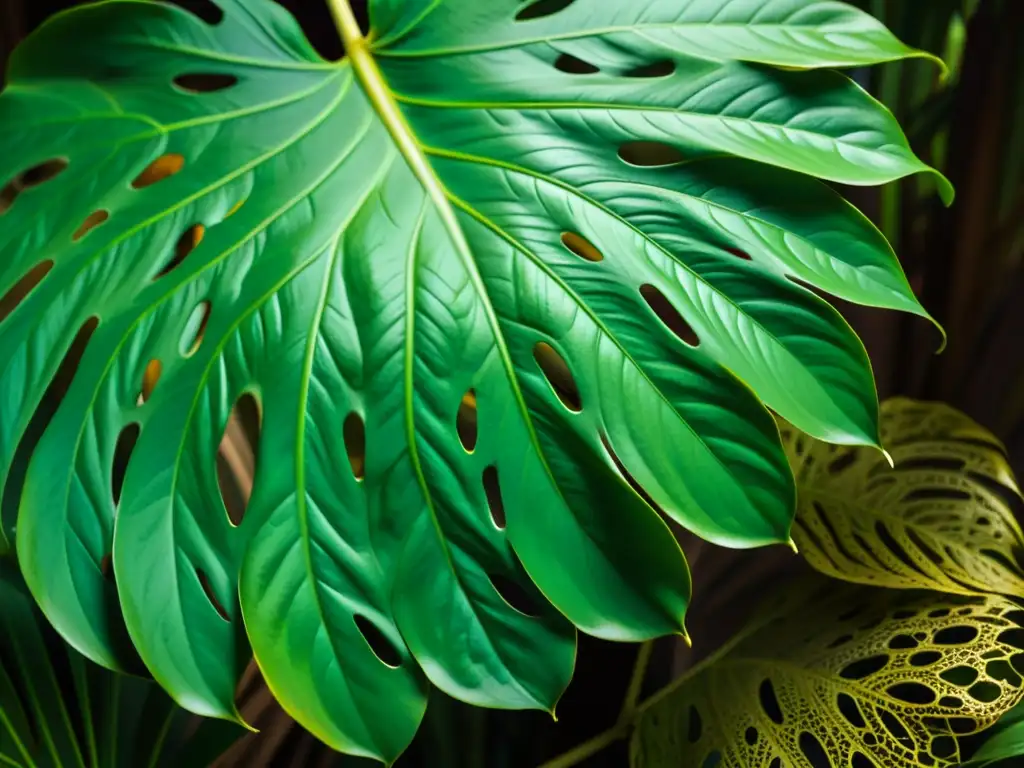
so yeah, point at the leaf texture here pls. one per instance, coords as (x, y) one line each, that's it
(941, 519)
(491, 333)
(852, 676)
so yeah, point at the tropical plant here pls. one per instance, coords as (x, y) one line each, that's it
(496, 288)
(58, 710)
(827, 675)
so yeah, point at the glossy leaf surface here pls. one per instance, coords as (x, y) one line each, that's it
(941, 519)
(854, 676)
(480, 328)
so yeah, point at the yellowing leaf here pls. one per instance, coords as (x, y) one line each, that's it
(941, 519)
(851, 677)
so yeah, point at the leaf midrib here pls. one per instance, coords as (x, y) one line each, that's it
(381, 98)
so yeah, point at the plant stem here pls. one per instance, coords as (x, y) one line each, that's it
(643, 658)
(620, 730)
(348, 27)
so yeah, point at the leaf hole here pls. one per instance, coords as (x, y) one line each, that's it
(842, 462)
(379, 643)
(206, 10)
(912, 693)
(862, 668)
(662, 68)
(541, 8)
(574, 66)
(162, 168)
(27, 179)
(204, 82)
(769, 701)
(669, 315)
(218, 606)
(237, 456)
(187, 243)
(959, 635)
(848, 709)
(122, 455)
(581, 247)
(713, 760)
(513, 593)
(962, 725)
(354, 434)
(21, 289)
(860, 760)
(895, 728)
(92, 221)
(892, 545)
(557, 372)
(466, 421)
(739, 254)
(1002, 670)
(943, 747)
(925, 658)
(902, 643)
(932, 462)
(494, 500)
(923, 546)
(650, 154)
(951, 702)
(195, 329)
(936, 494)
(813, 751)
(695, 725)
(150, 378)
(751, 736)
(985, 692)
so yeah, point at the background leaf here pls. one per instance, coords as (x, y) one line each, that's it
(876, 677)
(942, 519)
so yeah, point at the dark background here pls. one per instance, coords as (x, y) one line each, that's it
(965, 264)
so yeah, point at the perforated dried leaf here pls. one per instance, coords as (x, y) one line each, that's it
(941, 519)
(853, 676)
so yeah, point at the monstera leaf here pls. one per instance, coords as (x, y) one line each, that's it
(941, 519)
(58, 710)
(855, 676)
(496, 285)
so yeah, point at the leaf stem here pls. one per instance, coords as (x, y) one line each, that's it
(622, 726)
(348, 27)
(636, 682)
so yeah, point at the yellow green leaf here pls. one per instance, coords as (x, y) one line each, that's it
(852, 676)
(940, 519)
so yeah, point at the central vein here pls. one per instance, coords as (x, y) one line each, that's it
(383, 101)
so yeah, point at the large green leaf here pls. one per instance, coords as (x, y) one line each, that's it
(852, 676)
(458, 308)
(58, 710)
(942, 518)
